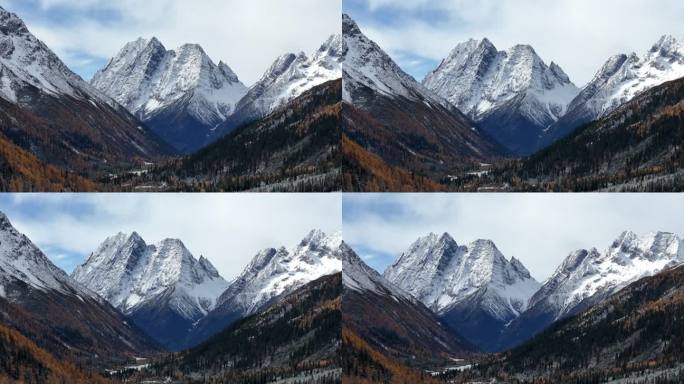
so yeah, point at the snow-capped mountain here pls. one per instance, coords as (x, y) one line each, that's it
(441, 274)
(274, 272)
(375, 308)
(180, 93)
(587, 277)
(367, 65)
(590, 275)
(358, 276)
(22, 262)
(40, 299)
(58, 116)
(271, 274)
(412, 127)
(474, 287)
(162, 287)
(288, 77)
(514, 87)
(26, 61)
(619, 80)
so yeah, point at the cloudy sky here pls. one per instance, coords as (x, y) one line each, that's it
(539, 229)
(248, 35)
(577, 34)
(228, 229)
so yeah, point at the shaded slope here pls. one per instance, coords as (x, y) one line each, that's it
(78, 135)
(271, 276)
(181, 94)
(620, 79)
(48, 110)
(635, 333)
(297, 337)
(390, 320)
(637, 147)
(411, 127)
(295, 148)
(75, 328)
(44, 304)
(162, 288)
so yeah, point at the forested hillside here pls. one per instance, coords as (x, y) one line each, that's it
(294, 149)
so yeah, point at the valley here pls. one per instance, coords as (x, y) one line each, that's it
(139, 312)
(540, 132)
(170, 113)
(593, 320)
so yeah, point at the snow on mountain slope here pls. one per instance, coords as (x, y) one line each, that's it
(274, 272)
(358, 276)
(393, 116)
(146, 78)
(477, 78)
(513, 94)
(442, 275)
(374, 308)
(22, 261)
(42, 302)
(619, 80)
(587, 274)
(131, 275)
(55, 115)
(366, 64)
(288, 77)
(27, 61)
(587, 277)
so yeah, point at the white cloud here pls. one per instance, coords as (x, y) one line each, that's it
(539, 229)
(248, 35)
(578, 34)
(228, 229)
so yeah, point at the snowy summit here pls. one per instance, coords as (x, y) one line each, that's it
(132, 275)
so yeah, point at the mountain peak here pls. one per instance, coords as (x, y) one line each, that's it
(666, 44)
(280, 65)
(349, 26)
(520, 267)
(586, 276)
(274, 272)
(147, 79)
(485, 42)
(4, 221)
(128, 273)
(484, 82)
(170, 242)
(209, 267)
(10, 23)
(559, 72)
(621, 78)
(446, 237)
(22, 261)
(313, 236)
(228, 72)
(191, 48)
(522, 49)
(484, 243)
(442, 274)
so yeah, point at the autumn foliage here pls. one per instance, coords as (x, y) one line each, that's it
(367, 172)
(362, 364)
(21, 171)
(23, 362)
